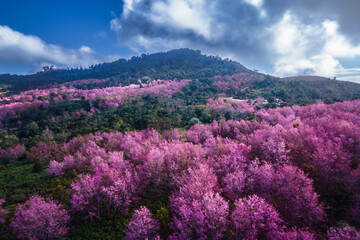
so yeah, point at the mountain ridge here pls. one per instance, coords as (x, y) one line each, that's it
(190, 64)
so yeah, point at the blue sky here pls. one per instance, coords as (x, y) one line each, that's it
(279, 37)
(68, 24)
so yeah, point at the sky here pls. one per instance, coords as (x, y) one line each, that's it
(278, 37)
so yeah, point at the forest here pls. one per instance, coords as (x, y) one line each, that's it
(178, 145)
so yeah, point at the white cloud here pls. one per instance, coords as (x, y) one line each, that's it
(183, 15)
(158, 25)
(86, 49)
(349, 74)
(355, 78)
(309, 48)
(349, 71)
(32, 51)
(336, 44)
(129, 6)
(256, 3)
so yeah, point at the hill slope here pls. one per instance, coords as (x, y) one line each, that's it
(305, 90)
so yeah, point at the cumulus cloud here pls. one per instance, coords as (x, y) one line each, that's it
(295, 37)
(256, 3)
(32, 51)
(212, 26)
(310, 48)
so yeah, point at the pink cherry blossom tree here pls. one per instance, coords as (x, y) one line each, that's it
(142, 226)
(3, 212)
(40, 219)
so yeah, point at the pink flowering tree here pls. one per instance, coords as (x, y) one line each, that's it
(11, 154)
(83, 156)
(345, 233)
(108, 190)
(45, 152)
(296, 234)
(254, 218)
(55, 168)
(228, 158)
(3, 212)
(289, 190)
(142, 226)
(198, 211)
(234, 184)
(40, 219)
(201, 218)
(195, 182)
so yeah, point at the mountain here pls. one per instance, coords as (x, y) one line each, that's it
(180, 64)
